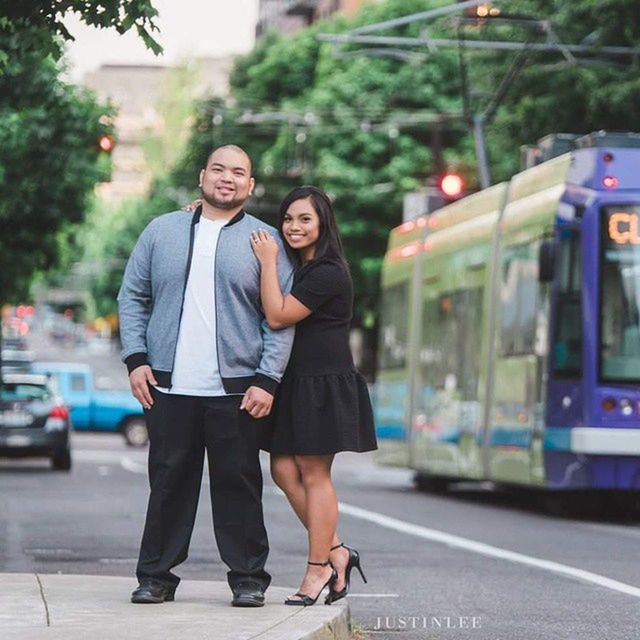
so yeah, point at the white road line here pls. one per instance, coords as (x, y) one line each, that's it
(486, 549)
(630, 532)
(455, 541)
(130, 465)
(117, 560)
(138, 467)
(94, 455)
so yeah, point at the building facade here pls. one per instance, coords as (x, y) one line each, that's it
(135, 91)
(288, 16)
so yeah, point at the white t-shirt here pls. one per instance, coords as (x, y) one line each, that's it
(195, 369)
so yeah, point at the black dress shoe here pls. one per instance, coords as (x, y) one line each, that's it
(248, 594)
(152, 592)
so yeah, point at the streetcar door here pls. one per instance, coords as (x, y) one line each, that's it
(564, 389)
(515, 433)
(393, 384)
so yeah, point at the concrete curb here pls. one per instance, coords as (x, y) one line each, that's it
(73, 607)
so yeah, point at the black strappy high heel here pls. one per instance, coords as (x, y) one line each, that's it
(306, 600)
(354, 563)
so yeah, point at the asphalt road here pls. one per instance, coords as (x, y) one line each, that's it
(471, 564)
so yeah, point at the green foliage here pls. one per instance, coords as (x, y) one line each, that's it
(36, 26)
(48, 136)
(555, 94)
(49, 132)
(369, 139)
(110, 233)
(336, 130)
(362, 127)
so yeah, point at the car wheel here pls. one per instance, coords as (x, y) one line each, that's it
(135, 432)
(61, 460)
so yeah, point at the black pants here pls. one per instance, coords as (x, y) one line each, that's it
(180, 428)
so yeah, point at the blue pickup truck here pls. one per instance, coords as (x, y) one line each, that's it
(93, 409)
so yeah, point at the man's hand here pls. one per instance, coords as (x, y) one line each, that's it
(192, 206)
(257, 402)
(140, 379)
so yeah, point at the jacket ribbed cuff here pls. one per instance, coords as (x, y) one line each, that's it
(135, 360)
(265, 382)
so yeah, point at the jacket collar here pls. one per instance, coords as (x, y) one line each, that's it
(198, 212)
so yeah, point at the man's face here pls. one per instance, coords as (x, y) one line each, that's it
(226, 181)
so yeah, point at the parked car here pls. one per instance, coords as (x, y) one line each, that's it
(94, 409)
(33, 420)
(16, 360)
(16, 342)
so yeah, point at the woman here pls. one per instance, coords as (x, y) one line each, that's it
(322, 406)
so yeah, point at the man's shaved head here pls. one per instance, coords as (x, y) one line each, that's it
(225, 180)
(232, 147)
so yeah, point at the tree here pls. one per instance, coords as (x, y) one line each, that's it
(36, 26)
(351, 126)
(48, 135)
(49, 131)
(362, 128)
(555, 94)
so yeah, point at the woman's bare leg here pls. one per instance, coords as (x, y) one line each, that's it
(321, 517)
(287, 475)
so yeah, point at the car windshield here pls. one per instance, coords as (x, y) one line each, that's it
(620, 294)
(16, 392)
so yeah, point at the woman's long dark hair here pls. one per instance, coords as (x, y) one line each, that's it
(328, 243)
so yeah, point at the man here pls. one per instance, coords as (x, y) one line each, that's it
(204, 364)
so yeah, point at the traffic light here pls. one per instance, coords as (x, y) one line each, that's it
(106, 143)
(451, 186)
(443, 189)
(482, 10)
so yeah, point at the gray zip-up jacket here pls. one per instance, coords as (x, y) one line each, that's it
(152, 296)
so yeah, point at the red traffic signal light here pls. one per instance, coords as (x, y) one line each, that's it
(482, 10)
(106, 143)
(452, 185)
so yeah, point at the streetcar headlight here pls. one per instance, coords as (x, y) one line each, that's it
(626, 407)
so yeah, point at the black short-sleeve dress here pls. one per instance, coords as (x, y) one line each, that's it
(322, 405)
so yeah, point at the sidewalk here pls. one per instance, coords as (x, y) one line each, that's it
(70, 607)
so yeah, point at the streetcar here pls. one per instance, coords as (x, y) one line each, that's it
(509, 343)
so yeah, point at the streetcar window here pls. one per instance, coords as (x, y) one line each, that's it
(519, 299)
(620, 295)
(394, 328)
(451, 338)
(567, 344)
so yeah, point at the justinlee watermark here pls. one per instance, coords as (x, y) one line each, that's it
(388, 623)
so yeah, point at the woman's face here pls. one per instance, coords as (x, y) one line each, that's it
(301, 227)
